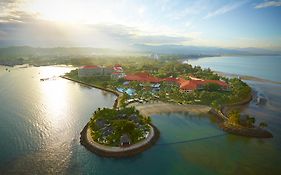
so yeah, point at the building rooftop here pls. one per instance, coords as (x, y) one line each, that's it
(142, 77)
(90, 67)
(125, 140)
(194, 84)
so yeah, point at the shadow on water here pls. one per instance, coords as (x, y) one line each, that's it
(192, 140)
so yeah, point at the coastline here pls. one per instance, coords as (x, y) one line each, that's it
(247, 77)
(247, 132)
(256, 132)
(226, 108)
(107, 151)
(118, 94)
(148, 109)
(161, 107)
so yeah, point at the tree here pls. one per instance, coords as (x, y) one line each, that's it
(215, 104)
(104, 84)
(212, 87)
(263, 125)
(233, 117)
(251, 121)
(147, 119)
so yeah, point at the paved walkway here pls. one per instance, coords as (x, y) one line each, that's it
(119, 149)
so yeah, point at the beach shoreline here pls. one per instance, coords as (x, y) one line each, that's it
(247, 77)
(156, 108)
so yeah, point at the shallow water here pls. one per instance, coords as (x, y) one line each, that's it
(40, 124)
(266, 67)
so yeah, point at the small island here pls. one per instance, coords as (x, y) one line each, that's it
(119, 132)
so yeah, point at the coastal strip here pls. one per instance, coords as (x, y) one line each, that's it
(226, 108)
(256, 132)
(108, 151)
(247, 77)
(247, 132)
(160, 107)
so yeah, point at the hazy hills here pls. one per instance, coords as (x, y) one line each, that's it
(25, 51)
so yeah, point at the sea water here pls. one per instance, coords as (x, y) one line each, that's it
(40, 124)
(265, 67)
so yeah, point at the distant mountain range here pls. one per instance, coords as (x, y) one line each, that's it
(22, 51)
(193, 50)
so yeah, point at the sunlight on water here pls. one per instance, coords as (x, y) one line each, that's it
(52, 72)
(40, 126)
(54, 95)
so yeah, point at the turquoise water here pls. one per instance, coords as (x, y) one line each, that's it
(40, 124)
(266, 67)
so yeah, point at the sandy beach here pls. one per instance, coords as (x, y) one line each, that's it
(247, 77)
(148, 109)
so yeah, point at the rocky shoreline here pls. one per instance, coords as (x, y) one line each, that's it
(248, 132)
(256, 132)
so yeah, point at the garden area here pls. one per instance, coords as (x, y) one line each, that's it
(115, 127)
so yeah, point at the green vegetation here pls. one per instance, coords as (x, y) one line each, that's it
(263, 125)
(108, 125)
(211, 94)
(235, 118)
(212, 87)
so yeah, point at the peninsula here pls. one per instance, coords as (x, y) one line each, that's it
(153, 86)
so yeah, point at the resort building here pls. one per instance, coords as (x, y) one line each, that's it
(190, 85)
(142, 77)
(185, 85)
(125, 140)
(117, 75)
(88, 71)
(94, 70)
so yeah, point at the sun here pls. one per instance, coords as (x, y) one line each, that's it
(71, 11)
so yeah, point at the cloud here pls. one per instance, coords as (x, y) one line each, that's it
(22, 29)
(268, 4)
(225, 9)
(133, 35)
(8, 5)
(18, 16)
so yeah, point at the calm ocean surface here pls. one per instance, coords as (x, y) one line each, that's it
(40, 124)
(266, 67)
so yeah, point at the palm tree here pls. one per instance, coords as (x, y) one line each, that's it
(263, 125)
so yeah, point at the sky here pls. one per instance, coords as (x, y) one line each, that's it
(121, 24)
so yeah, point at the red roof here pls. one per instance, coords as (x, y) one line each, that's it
(117, 68)
(221, 83)
(90, 67)
(188, 85)
(170, 79)
(194, 84)
(183, 83)
(142, 77)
